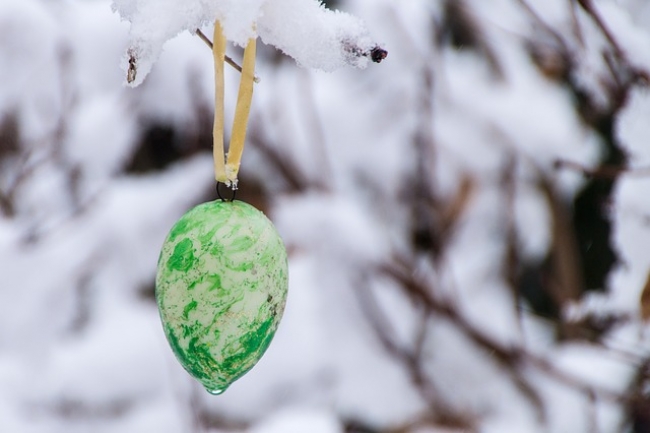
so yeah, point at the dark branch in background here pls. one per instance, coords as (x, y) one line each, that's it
(591, 219)
(433, 217)
(565, 280)
(279, 161)
(274, 150)
(309, 112)
(631, 73)
(603, 171)
(638, 401)
(22, 169)
(619, 53)
(461, 30)
(557, 60)
(19, 159)
(420, 193)
(513, 358)
(511, 261)
(412, 360)
(162, 144)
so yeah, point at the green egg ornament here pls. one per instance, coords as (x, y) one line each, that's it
(221, 289)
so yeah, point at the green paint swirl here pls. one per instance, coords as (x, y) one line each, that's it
(221, 288)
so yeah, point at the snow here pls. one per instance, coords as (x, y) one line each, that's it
(298, 421)
(36, 95)
(631, 127)
(314, 36)
(81, 347)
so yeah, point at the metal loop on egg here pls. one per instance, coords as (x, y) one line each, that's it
(233, 192)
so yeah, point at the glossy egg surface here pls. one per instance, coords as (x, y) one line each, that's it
(221, 289)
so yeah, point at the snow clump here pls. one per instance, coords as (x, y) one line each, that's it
(316, 37)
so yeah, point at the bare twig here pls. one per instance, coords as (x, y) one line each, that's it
(632, 73)
(588, 7)
(227, 58)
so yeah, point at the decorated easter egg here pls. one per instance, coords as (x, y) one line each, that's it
(221, 288)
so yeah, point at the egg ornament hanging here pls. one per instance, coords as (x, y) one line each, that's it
(221, 288)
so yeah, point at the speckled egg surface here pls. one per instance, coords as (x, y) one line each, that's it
(221, 288)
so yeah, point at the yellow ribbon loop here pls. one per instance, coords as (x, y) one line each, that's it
(242, 111)
(227, 171)
(219, 53)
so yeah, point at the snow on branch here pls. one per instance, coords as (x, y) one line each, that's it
(316, 37)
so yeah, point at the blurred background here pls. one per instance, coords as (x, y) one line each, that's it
(468, 223)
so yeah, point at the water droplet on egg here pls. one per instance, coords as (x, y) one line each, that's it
(216, 391)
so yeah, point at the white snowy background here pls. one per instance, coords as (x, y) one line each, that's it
(446, 272)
